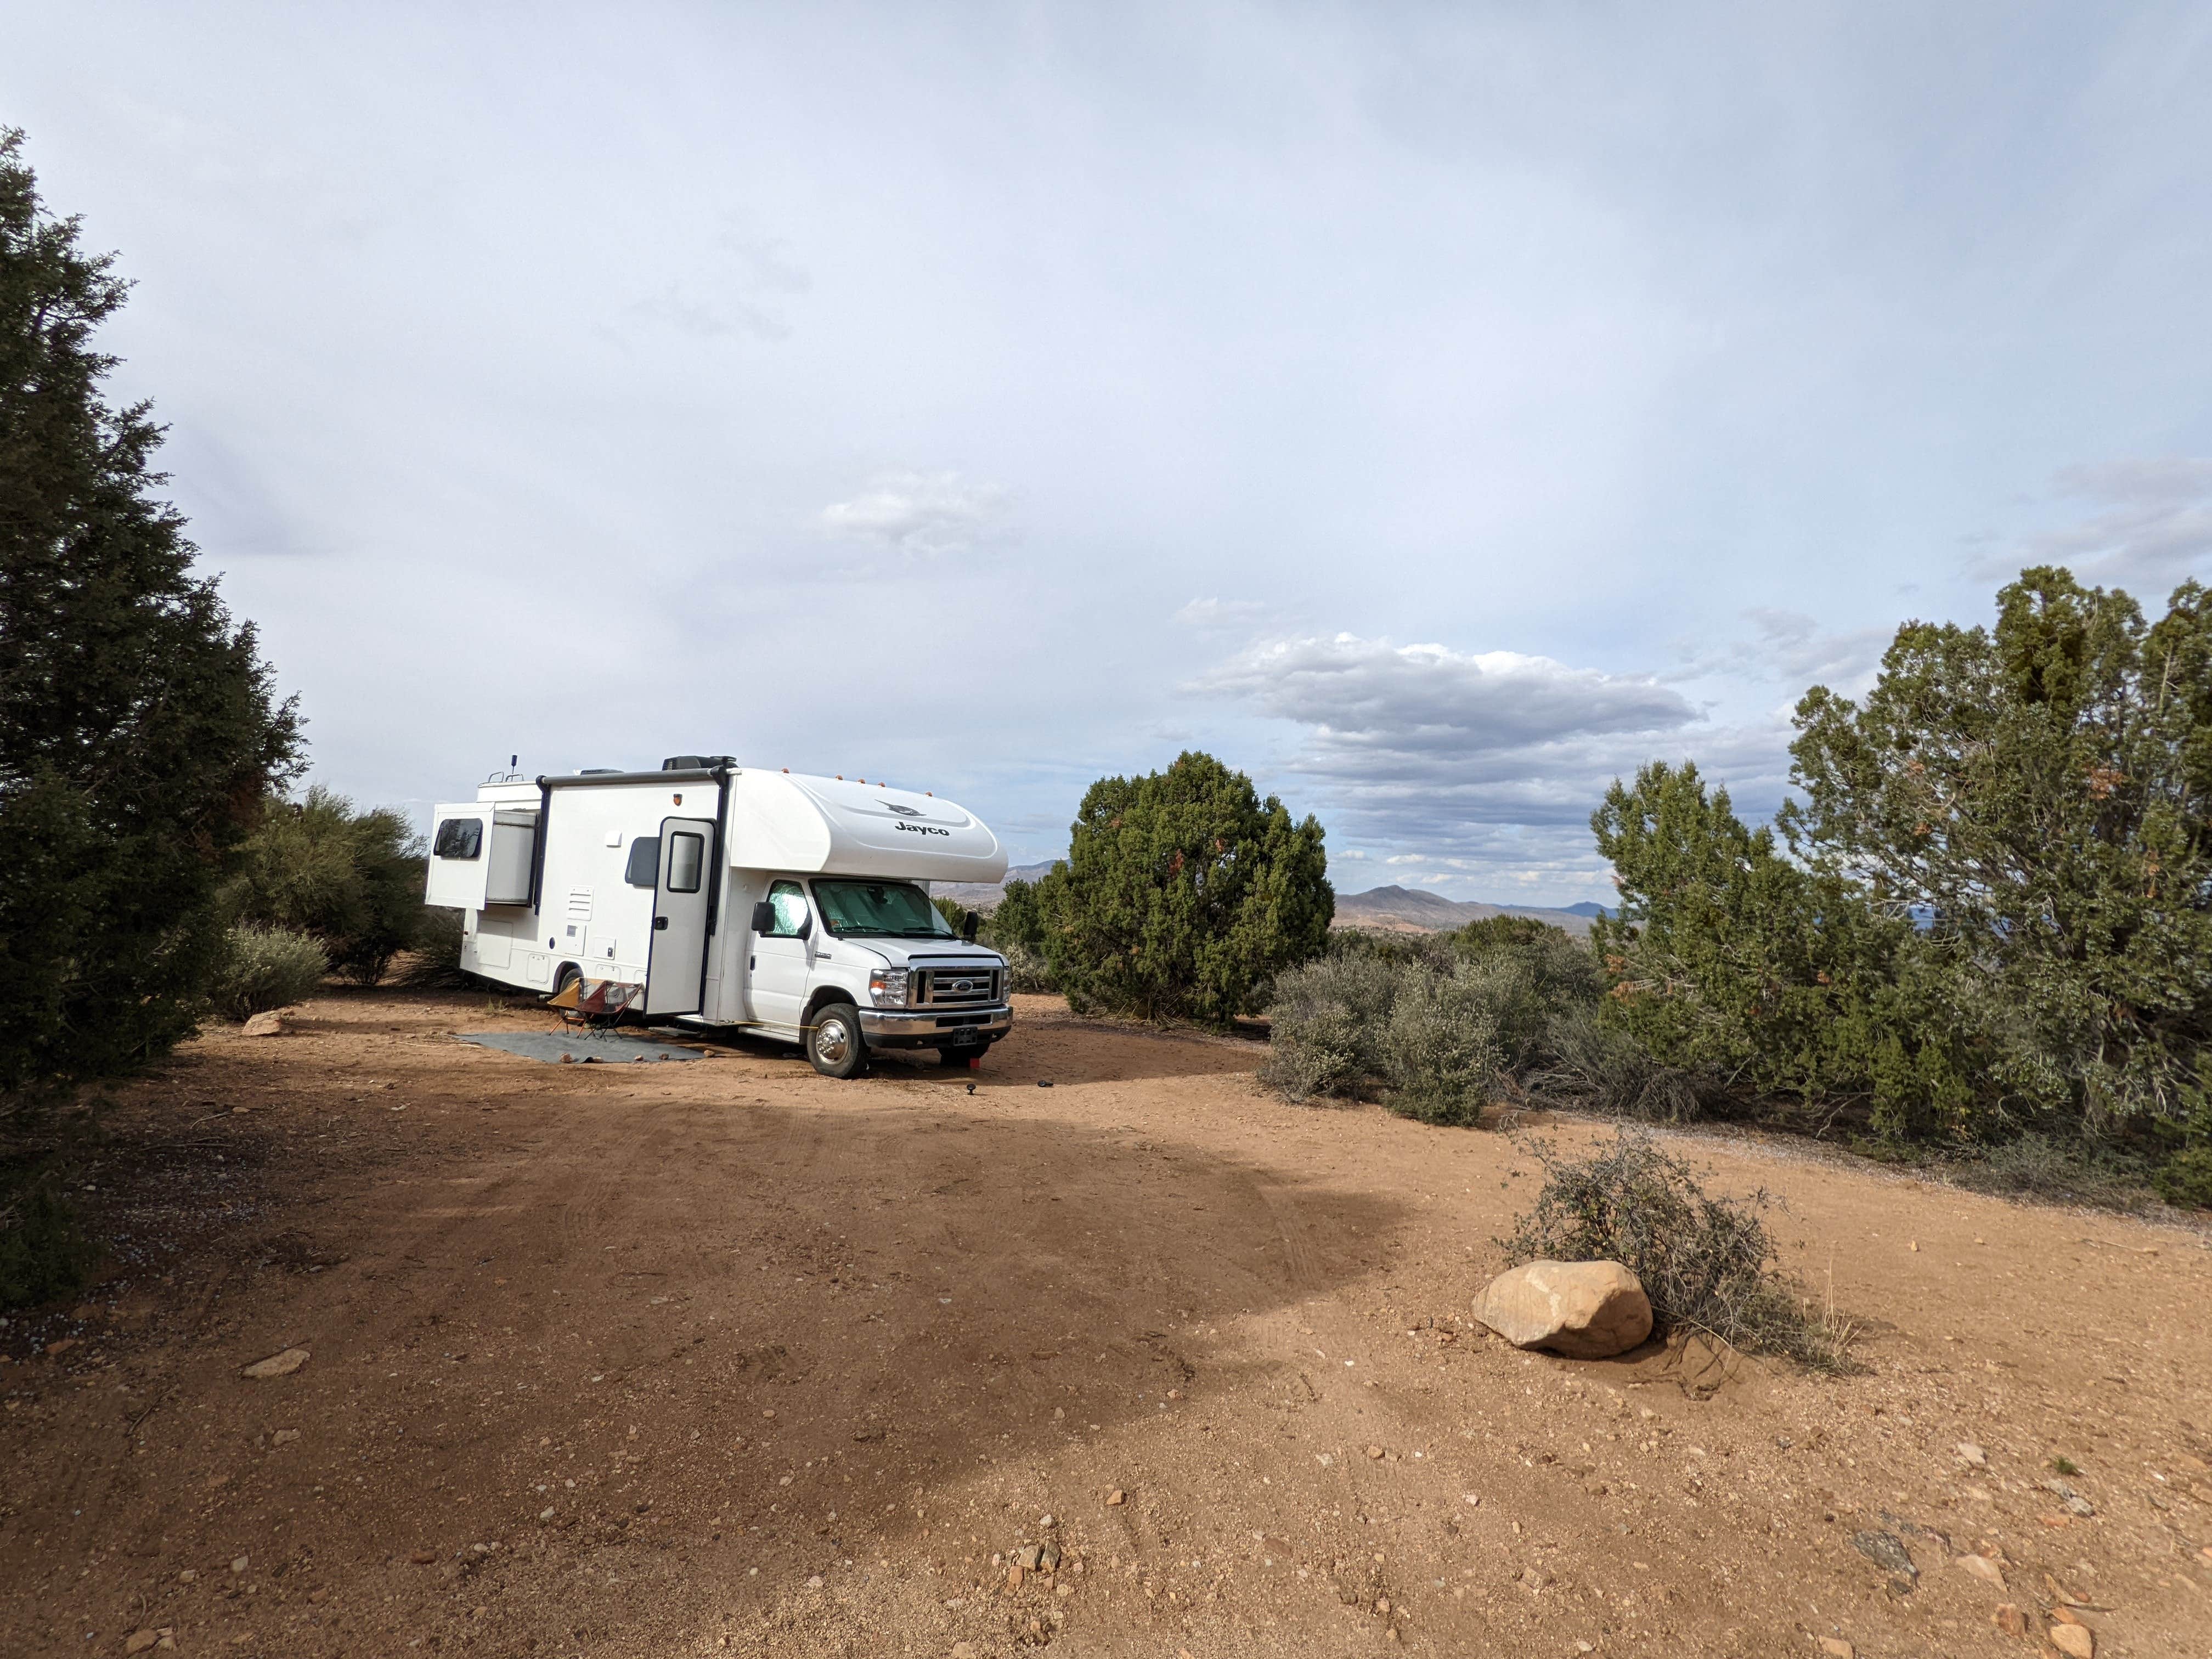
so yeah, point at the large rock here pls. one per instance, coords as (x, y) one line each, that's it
(1583, 1309)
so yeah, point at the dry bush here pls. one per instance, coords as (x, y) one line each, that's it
(1326, 1024)
(1707, 1264)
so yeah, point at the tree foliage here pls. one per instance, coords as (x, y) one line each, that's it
(1183, 894)
(1991, 909)
(138, 729)
(350, 878)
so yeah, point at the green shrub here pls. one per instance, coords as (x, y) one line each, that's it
(43, 1253)
(434, 960)
(2185, 1178)
(351, 878)
(1442, 1051)
(1707, 1264)
(1326, 1024)
(265, 968)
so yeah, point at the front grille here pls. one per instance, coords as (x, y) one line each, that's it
(956, 987)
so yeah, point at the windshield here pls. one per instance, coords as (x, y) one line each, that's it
(893, 910)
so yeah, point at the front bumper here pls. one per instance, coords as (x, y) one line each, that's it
(925, 1027)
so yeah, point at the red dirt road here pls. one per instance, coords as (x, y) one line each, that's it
(690, 1359)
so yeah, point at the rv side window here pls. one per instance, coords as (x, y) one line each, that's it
(687, 855)
(787, 900)
(644, 861)
(458, 838)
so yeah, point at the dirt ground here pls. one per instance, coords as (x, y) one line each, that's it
(697, 1358)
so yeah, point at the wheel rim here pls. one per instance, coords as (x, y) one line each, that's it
(831, 1040)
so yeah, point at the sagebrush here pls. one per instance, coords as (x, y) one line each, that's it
(264, 968)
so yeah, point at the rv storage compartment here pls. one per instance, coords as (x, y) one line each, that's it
(480, 854)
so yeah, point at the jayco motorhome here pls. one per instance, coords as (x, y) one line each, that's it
(794, 907)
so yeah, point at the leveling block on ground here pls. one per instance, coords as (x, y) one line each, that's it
(605, 1048)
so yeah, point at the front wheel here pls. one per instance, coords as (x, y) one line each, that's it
(834, 1043)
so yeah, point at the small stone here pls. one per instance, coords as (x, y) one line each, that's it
(1063, 1590)
(189, 1575)
(1383, 1605)
(965, 1651)
(1028, 1556)
(1837, 1648)
(139, 1640)
(239, 1564)
(270, 1023)
(1886, 1551)
(1048, 1559)
(2075, 1641)
(1014, 1577)
(1972, 1455)
(1581, 1309)
(814, 1581)
(546, 1514)
(1116, 1497)
(318, 1597)
(1047, 1522)
(422, 1558)
(1175, 1394)
(1375, 1451)
(284, 1437)
(2010, 1619)
(278, 1364)
(769, 1412)
(1982, 1567)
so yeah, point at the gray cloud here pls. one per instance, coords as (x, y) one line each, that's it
(1793, 650)
(919, 513)
(2149, 522)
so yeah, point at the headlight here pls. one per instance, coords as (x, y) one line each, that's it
(887, 988)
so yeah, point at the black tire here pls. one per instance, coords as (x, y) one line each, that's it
(567, 975)
(835, 1045)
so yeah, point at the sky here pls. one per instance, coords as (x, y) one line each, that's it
(1434, 411)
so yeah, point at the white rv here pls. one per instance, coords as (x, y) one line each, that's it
(794, 907)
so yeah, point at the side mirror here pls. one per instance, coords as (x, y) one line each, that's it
(764, 917)
(969, 924)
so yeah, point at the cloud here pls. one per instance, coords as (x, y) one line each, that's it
(917, 513)
(1792, 649)
(2149, 520)
(1421, 705)
(1480, 768)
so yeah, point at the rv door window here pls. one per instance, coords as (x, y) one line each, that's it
(787, 901)
(687, 856)
(458, 838)
(644, 861)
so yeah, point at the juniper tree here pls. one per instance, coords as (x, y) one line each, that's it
(138, 728)
(1183, 894)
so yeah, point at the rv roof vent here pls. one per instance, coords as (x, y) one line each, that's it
(697, 762)
(598, 771)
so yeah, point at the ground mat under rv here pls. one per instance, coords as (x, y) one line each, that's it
(609, 1048)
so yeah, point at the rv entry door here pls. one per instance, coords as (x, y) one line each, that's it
(676, 970)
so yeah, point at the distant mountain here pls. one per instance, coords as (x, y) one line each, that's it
(1409, 911)
(984, 895)
(1587, 909)
(1398, 909)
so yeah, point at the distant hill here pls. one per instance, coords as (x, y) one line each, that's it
(984, 895)
(1409, 911)
(1398, 909)
(1592, 911)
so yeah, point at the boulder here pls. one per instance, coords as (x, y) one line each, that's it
(269, 1023)
(1583, 1309)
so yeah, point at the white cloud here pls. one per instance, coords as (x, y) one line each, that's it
(917, 513)
(2150, 521)
(1791, 649)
